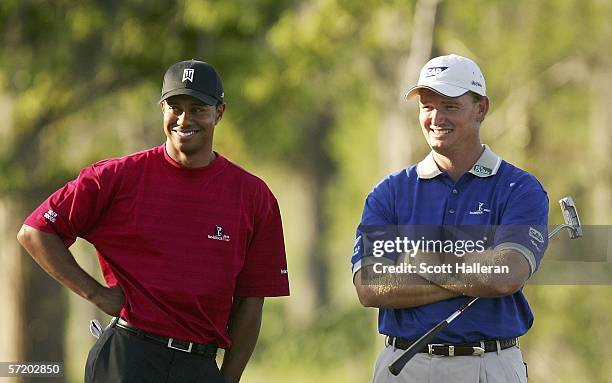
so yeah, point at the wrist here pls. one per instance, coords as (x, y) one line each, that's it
(95, 293)
(229, 376)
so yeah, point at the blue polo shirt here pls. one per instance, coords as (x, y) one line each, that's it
(493, 193)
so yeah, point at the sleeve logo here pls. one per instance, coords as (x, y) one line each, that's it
(51, 216)
(357, 246)
(537, 238)
(535, 234)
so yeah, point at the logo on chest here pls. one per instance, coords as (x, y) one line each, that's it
(219, 236)
(480, 210)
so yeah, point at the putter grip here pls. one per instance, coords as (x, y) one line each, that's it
(397, 366)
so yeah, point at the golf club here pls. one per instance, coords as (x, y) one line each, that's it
(572, 224)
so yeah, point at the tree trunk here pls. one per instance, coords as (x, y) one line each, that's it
(320, 171)
(78, 339)
(11, 285)
(399, 129)
(45, 313)
(601, 144)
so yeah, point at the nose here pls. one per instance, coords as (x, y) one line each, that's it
(183, 119)
(437, 117)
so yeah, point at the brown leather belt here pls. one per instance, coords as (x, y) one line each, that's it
(208, 349)
(463, 349)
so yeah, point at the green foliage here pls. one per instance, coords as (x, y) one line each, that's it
(62, 60)
(336, 346)
(320, 340)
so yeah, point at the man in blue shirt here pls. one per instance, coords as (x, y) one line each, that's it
(461, 223)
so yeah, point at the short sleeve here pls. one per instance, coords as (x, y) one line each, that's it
(265, 267)
(72, 210)
(524, 224)
(377, 220)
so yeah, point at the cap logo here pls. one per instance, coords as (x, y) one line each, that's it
(434, 71)
(476, 83)
(188, 75)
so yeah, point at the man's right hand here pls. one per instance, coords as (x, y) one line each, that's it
(110, 300)
(397, 291)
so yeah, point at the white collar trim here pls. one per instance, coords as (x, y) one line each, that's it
(487, 165)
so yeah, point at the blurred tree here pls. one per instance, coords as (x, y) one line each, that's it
(399, 130)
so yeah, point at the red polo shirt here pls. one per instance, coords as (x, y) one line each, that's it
(180, 242)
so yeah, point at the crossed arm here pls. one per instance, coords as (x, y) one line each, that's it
(405, 290)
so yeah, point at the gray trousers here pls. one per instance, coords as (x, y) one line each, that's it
(504, 366)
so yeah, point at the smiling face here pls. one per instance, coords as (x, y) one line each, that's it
(451, 124)
(189, 125)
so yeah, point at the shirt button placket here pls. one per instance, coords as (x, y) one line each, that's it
(452, 201)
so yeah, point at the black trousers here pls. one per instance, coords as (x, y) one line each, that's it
(119, 357)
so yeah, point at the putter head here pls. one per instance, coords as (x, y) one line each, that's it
(570, 214)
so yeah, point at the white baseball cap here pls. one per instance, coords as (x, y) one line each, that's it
(450, 76)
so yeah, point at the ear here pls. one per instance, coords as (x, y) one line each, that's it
(220, 111)
(483, 108)
(161, 106)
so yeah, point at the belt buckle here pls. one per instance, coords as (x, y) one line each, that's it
(478, 350)
(451, 349)
(430, 348)
(188, 350)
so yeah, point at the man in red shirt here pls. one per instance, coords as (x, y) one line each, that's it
(188, 242)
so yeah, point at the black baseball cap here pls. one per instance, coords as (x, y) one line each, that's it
(193, 78)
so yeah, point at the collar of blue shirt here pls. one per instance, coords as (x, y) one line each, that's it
(486, 166)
